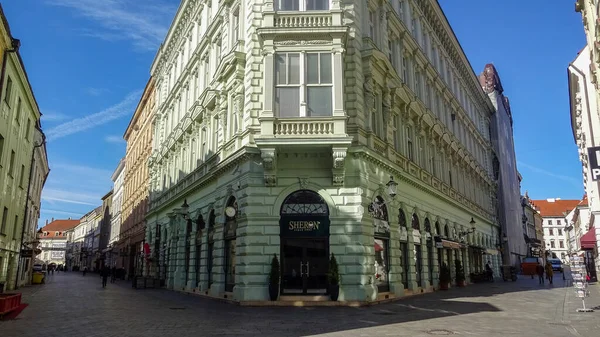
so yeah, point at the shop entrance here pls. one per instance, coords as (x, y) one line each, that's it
(304, 230)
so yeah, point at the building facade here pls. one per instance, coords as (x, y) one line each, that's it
(556, 214)
(53, 242)
(589, 13)
(37, 178)
(504, 164)
(91, 239)
(76, 250)
(19, 114)
(585, 124)
(530, 232)
(136, 182)
(105, 227)
(277, 129)
(117, 206)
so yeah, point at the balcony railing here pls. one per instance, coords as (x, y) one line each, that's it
(303, 127)
(302, 20)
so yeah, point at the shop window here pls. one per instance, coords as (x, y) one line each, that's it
(404, 262)
(382, 264)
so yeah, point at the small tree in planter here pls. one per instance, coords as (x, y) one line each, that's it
(333, 278)
(460, 273)
(445, 277)
(274, 276)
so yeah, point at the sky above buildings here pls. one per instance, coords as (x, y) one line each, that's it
(89, 60)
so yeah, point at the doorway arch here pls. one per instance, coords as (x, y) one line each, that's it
(304, 234)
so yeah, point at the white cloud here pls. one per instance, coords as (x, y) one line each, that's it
(52, 116)
(144, 23)
(55, 211)
(576, 182)
(78, 198)
(95, 91)
(114, 139)
(96, 119)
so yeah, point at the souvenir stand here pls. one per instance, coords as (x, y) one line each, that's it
(579, 281)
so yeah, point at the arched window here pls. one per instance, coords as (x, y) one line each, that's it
(427, 225)
(415, 222)
(211, 244)
(401, 218)
(304, 202)
(446, 231)
(437, 228)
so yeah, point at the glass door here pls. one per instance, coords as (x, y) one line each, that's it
(292, 280)
(305, 265)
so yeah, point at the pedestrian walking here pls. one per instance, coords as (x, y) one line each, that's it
(549, 272)
(104, 273)
(84, 270)
(539, 269)
(113, 274)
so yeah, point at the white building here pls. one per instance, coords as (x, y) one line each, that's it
(275, 114)
(557, 215)
(53, 241)
(585, 123)
(117, 202)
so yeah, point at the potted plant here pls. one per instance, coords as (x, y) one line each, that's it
(445, 277)
(333, 278)
(460, 273)
(274, 279)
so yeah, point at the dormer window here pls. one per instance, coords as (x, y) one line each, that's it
(302, 5)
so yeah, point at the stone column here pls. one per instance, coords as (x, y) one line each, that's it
(191, 281)
(412, 271)
(217, 287)
(424, 263)
(436, 267)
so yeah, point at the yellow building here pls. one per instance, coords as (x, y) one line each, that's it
(135, 185)
(19, 117)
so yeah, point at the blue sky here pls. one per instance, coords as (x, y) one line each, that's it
(88, 61)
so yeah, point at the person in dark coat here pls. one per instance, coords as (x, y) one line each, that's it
(113, 274)
(539, 269)
(104, 273)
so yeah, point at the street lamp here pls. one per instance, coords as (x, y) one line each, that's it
(183, 211)
(392, 189)
(472, 230)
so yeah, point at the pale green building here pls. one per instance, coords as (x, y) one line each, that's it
(280, 129)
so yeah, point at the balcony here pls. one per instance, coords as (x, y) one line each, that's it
(304, 131)
(302, 21)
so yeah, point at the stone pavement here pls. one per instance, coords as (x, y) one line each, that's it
(72, 305)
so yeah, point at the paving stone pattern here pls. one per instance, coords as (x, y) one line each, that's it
(72, 305)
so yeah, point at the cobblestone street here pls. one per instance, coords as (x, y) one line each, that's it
(73, 305)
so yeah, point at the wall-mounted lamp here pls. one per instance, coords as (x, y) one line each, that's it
(472, 230)
(392, 189)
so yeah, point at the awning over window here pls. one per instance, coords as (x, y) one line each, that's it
(588, 240)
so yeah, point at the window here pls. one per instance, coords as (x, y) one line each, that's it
(561, 244)
(28, 130)
(1, 149)
(550, 222)
(309, 81)
(560, 231)
(302, 5)
(22, 176)
(550, 231)
(4, 219)
(11, 165)
(373, 25)
(18, 112)
(552, 244)
(8, 91)
(235, 24)
(15, 226)
(409, 143)
(559, 222)
(381, 264)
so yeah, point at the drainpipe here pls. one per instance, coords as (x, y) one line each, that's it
(27, 203)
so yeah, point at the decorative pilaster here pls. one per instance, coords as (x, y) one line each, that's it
(269, 159)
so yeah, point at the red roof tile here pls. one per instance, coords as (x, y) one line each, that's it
(556, 208)
(58, 226)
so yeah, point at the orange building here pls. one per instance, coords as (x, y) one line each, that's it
(135, 186)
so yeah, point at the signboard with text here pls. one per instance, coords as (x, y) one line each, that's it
(593, 157)
(294, 226)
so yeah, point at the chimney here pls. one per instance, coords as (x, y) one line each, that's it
(52, 219)
(46, 222)
(69, 218)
